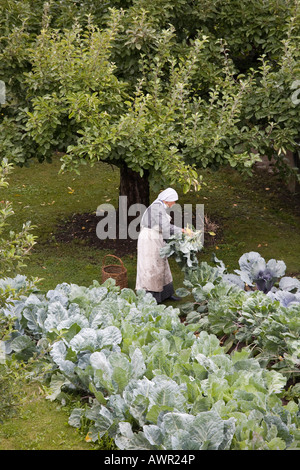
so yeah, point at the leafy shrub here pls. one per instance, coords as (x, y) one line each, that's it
(14, 247)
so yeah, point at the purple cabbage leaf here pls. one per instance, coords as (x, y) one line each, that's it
(255, 271)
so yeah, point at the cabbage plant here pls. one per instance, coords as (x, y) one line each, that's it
(152, 382)
(254, 270)
(184, 247)
(266, 322)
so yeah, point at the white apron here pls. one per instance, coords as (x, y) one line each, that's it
(153, 271)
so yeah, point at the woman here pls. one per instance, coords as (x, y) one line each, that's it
(153, 271)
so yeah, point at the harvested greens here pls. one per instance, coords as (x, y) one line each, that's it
(184, 248)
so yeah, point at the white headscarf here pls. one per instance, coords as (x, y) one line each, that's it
(168, 195)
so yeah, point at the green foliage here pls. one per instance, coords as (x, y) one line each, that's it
(166, 104)
(162, 125)
(162, 91)
(15, 246)
(15, 145)
(265, 321)
(161, 87)
(153, 383)
(270, 105)
(250, 28)
(114, 126)
(184, 247)
(14, 372)
(12, 381)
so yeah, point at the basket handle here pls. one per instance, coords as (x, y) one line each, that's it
(113, 256)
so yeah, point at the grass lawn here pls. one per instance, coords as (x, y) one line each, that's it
(253, 214)
(40, 425)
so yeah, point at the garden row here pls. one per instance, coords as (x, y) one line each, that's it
(258, 307)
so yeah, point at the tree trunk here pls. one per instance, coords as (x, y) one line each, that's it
(294, 162)
(297, 164)
(135, 187)
(132, 207)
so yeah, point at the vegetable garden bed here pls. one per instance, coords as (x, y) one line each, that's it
(248, 398)
(153, 383)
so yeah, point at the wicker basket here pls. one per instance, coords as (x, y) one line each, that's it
(115, 271)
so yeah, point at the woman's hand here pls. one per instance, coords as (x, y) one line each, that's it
(188, 231)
